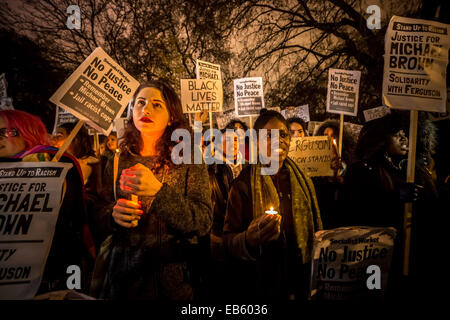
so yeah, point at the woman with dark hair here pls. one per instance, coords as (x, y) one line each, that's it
(374, 181)
(297, 127)
(240, 127)
(376, 188)
(23, 137)
(271, 252)
(149, 258)
(236, 124)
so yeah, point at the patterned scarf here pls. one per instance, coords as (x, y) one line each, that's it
(305, 209)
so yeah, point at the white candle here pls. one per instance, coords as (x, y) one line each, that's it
(271, 211)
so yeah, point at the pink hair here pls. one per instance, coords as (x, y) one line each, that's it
(30, 127)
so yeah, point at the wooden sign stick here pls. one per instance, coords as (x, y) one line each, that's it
(341, 133)
(251, 155)
(212, 135)
(68, 141)
(406, 241)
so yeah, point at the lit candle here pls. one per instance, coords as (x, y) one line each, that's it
(134, 198)
(271, 211)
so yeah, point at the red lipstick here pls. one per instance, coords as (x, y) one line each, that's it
(146, 119)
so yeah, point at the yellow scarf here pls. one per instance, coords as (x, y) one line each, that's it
(305, 209)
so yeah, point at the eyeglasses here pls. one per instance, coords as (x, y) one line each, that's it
(5, 133)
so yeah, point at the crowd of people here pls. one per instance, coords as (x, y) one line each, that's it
(199, 231)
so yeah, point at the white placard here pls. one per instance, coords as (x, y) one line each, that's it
(63, 116)
(301, 112)
(30, 199)
(343, 91)
(199, 95)
(341, 261)
(98, 91)
(207, 70)
(415, 63)
(375, 113)
(248, 96)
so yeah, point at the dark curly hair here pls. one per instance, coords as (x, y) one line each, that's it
(230, 125)
(374, 136)
(132, 143)
(300, 121)
(265, 116)
(348, 141)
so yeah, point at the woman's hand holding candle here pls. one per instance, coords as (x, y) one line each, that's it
(125, 212)
(263, 229)
(139, 180)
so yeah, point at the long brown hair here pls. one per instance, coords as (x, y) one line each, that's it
(132, 141)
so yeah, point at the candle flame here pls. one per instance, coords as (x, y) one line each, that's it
(271, 208)
(334, 141)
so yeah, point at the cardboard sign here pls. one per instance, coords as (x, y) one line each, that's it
(301, 112)
(343, 91)
(199, 95)
(313, 155)
(30, 199)
(313, 126)
(120, 125)
(97, 92)
(3, 86)
(415, 63)
(207, 70)
(248, 96)
(341, 263)
(375, 113)
(62, 116)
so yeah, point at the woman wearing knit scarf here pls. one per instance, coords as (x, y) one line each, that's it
(271, 253)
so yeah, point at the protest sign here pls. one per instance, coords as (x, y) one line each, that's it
(97, 92)
(207, 70)
(343, 91)
(354, 129)
(224, 118)
(199, 95)
(62, 116)
(30, 199)
(415, 63)
(3, 86)
(375, 113)
(351, 263)
(301, 112)
(248, 96)
(6, 104)
(121, 124)
(313, 155)
(313, 126)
